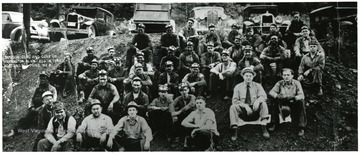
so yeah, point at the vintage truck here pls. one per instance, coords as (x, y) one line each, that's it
(155, 16)
(83, 21)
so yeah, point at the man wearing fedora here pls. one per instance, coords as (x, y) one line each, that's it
(170, 78)
(108, 95)
(93, 133)
(248, 103)
(59, 132)
(195, 80)
(287, 94)
(222, 75)
(140, 43)
(312, 66)
(36, 104)
(132, 132)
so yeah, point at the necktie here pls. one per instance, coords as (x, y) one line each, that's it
(248, 98)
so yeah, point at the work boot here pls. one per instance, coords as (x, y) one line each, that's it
(301, 133)
(266, 134)
(234, 136)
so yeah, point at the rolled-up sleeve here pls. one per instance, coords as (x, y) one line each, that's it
(299, 91)
(275, 90)
(71, 130)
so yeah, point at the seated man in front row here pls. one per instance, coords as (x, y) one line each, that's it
(201, 125)
(195, 80)
(248, 103)
(288, 94)
(132, 131)
(60, 130)
(95, 129)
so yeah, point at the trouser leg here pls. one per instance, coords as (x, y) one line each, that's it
(235, 111)
(44, 145)
(298, 113)
(26, 121)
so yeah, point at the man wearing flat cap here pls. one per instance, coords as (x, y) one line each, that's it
(64, 76)
(187, 58)
(248, 104)
(171, 56)
(36, 104)
(88, 80)
(159, 114)
(188, 33)
(196, 80)
(312, 66)
(182, 107)
(170, 78)
(59, 132)
(108, 95)
(132, 132)
(93, 133)
(222, 75)
(140, 43)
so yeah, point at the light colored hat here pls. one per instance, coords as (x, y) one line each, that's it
(47, 93)
(247, 70)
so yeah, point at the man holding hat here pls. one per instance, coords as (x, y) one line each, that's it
(209, 60)
(248, 60)
(36, 104)
(182, 107)
(140, 43)
(195, 80)
(59, 132)
(236, 51)
(170, 57)
(159, 114)
(65, 76)
(95, 129)
(108, 95)
(132, 131)
(274, 53)
(222, 75)
(88, 80)
(170, 78)
(248, 103)
(188, 33)
(232, 34)
(187, 58)
(312, 66)
(138, 96)
(287, 94)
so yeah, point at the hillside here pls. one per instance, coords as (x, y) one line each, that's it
(332, 119)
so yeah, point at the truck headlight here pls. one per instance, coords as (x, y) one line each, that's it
(256, 19)
(81, 19)
(278, 19)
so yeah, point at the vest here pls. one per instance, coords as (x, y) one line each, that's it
(56, 124)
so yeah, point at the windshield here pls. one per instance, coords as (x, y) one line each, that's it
(87, 12)
(16, 17)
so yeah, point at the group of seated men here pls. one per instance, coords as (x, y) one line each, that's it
(123, 100)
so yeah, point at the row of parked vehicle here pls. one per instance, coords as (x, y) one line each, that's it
(84, 21)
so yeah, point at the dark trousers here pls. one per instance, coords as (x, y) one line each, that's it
(27, 121)
(36, 141)
(91, 142)
(131, 53)
(204, 139)
(297, 108)
(161, 121)
(268, 68)
(225, 84)
(130, 144)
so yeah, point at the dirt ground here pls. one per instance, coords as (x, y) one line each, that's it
(332, 118)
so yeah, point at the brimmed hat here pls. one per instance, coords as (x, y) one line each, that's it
(111, 48)
(189, 43)
(117, 59)
(237, 37)
(247, 70)
(304, 27)
(95, 61)
(102, 72)
(138, 54)
(211, 25)
(132, 104)
(141, 25)
(89, 49)
(184, 85)
(235, 26)
(163, 87)
(47, 93)
(57, 106)
(138, 65)
(192, 20)
(95, 102)
(168, 26)
(172, 48)
(210, 43)
(136, 79)
(44, 74)
(195, 65)
(169, 63)
(273, 25)
(313, 42)
(225, 52)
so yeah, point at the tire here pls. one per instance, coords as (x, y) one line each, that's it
(55, 36)
(111, 33)
(91, 31)
(18, 36)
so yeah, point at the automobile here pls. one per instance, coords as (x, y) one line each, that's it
(83, 21)
(206, 15)
(155, 16)
(336, 17)
(12, 27)
(260, 17)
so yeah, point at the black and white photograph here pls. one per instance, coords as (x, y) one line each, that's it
(143, 76)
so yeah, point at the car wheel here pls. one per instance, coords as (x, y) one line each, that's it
(111, 33)
(18, 36)
(54, 36)
(91, 31)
